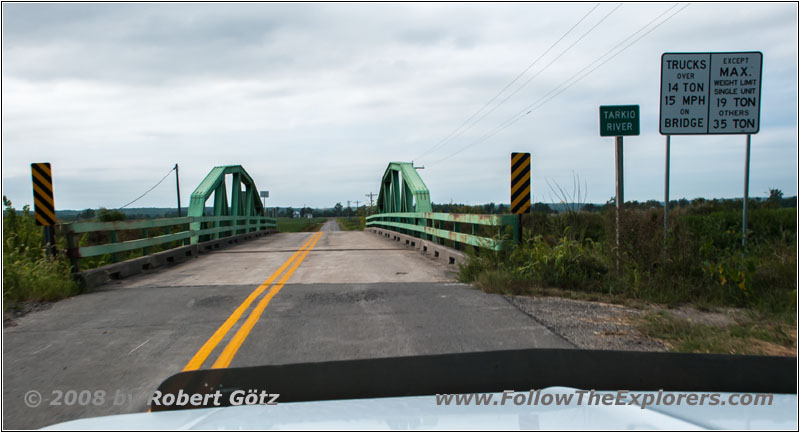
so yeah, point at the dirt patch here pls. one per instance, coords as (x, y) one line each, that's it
(21, 309)
(606, 326)
(773, 349)
(722, 318)
(588, 324)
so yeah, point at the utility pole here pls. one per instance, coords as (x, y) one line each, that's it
(356, 204)
(178, 188)
(348, 204)
(370, 195)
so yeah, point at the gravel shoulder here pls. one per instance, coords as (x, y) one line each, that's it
(588, 324)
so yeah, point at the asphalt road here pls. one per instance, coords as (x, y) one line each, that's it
(330, 226)
(352, 295)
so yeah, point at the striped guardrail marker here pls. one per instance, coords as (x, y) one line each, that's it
(520, 183)
(44, 208)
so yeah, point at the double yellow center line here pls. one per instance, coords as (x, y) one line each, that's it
(225, 358)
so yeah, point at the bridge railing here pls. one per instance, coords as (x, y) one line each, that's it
(191, 228)
(438, 227)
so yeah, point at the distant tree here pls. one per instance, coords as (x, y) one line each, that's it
(698, 201)
(337, 210)
(106, 215)
(87, 214)
(290, 212)
(501, 208)
(775, 197)
(541, 207)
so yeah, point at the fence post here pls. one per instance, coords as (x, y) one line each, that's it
(144, 236)
(72, 250)
(113, 235)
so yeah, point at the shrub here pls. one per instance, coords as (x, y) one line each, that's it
(702, 259)
(28, 273)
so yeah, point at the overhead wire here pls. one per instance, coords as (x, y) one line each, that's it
(542, 70)
(456, 132)
(550, 95)
(146, 192)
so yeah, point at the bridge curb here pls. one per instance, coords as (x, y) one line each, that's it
(428, 248)
(92, 278)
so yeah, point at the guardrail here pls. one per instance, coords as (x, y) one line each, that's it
(429, 226)
(213, 227)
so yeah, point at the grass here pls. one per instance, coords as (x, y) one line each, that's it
(701, 264)
(750, 335)
(293, 225)
(29, 274)
(351, 223)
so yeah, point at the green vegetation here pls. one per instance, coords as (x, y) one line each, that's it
(292, 225)
(702, 263)
(352, 223)
(28, 273)
(753, 335)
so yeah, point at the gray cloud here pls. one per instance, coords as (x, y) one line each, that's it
(315, 99)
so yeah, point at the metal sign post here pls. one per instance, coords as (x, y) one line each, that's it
(746, 190)
(620, 193)
(711, 93)
(264, 195)
(618, 121)
(666, 193)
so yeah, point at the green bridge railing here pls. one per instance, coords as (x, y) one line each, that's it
(438, 227)
(195, 229)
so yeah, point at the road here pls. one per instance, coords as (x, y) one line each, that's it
(330, 226)
(349, 295)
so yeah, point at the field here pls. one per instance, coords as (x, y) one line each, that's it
(351, 223)
(293, 225)
(701, 263)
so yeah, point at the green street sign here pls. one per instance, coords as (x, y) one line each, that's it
(619, 120)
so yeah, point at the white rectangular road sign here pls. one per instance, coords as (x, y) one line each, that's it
(710, 93)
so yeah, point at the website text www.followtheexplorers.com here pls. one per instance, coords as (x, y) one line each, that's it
(604, 398)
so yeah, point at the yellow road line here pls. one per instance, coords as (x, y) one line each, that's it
(201, 355)
(230, 350)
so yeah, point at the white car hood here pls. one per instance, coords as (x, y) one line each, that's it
(405, 413)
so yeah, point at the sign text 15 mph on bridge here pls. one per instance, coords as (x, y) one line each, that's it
(710, 93)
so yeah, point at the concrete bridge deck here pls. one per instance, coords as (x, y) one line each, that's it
(354, 295)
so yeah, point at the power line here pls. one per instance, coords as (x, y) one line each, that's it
(154, 187)
(542, 70)
(456, 131)
(541, 101)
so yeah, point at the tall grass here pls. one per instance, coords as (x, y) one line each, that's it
(28, 273)
(702, 260)
(291, 225)
(351, 223)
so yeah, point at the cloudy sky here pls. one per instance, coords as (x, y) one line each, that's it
(314, 100)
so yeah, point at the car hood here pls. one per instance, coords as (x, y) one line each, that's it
(422, 412)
